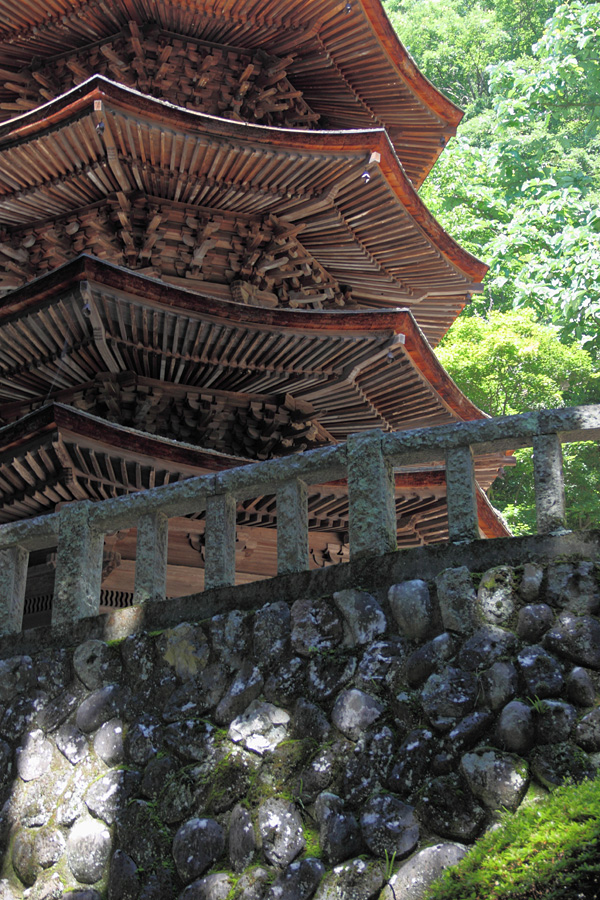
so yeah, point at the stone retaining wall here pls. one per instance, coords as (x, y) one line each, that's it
(294, 750)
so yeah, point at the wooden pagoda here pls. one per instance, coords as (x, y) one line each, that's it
(212, 250)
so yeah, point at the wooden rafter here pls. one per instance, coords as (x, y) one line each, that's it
(350, 365)
(323, 40)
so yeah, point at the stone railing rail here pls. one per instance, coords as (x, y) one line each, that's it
(367, 461)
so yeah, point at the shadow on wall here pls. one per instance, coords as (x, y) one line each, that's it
(298, 751)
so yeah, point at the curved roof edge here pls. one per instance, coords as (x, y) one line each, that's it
(407, 68)
(366, 141)
(87, 267)
(491, 521)
(395, 321)
(425, 360)
(112, 434)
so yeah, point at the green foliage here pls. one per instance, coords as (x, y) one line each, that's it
(508, 363)
(454, 43)
(524, 20)
(514, 495)
(528, 197)
(538, 706)
(548, 850)
(562, 83)
(390, 862)
(520, 188)
(541, 239)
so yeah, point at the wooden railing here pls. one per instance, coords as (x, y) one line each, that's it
(366, 460)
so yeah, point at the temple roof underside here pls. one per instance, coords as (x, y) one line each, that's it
(342, 62)
(261, 215)
(91, 331)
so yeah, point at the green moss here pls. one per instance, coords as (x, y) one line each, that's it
(227, 782)
(522, 768)
(282, 776)
(288, 758)
(232, 893)
(245, 879)
(7, 871)
(548, 850)
(160, 827)
(313, 845)
(257, 791)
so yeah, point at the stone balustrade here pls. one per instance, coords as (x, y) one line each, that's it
(366, 460)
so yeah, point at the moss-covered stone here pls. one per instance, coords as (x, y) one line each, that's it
(190, 768)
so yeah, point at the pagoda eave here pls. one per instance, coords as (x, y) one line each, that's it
(438, 103)
(380, 361)
(333, 157)
(324, 40)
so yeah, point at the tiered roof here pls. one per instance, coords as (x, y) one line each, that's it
(344, 58)
(212, 250)
(272, 216)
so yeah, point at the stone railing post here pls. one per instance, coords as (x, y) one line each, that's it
(219, 541)
(549, 483)
(13, 576)
(151, 558)
(78, 566)
(292, 527)
(461, 495)
(371, 497)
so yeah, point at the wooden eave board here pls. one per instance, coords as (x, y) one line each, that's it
(58, 454)
(344, 61)
(33, 250)
(54, 161)
(350, 365)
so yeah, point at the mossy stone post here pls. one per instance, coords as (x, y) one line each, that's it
(219, 545)
(151, 558)
(78, 565)
(549, 483)
(461, 495)
(371, 497)
(292, 527)
(13, 575)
